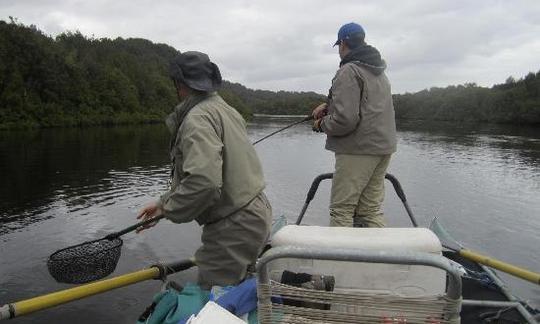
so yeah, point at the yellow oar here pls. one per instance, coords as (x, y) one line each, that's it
(450, 243)
(31, 305)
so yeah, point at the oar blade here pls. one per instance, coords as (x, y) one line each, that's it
(446, 240)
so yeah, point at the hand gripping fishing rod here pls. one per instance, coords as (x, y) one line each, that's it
(310, 117)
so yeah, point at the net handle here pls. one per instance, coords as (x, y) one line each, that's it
(112, 236)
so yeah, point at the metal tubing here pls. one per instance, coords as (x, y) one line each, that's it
(500, 284)
(302, 212)
(311, 193)
(402, 197)
(395, 183)
(490, 303)
(358, 255)
(410, 213)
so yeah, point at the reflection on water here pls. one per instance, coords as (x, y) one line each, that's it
(510, 143)
(75, 169)
(62, 187)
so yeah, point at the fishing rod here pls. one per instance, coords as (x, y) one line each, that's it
(284, 128)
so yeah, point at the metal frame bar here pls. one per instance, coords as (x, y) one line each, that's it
(495, 303)
(500, 284)
(324, 176)
(359, 255)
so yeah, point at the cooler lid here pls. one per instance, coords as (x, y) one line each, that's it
(414, 239)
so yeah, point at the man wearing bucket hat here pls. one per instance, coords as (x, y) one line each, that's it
(216, 177)
(359, 122)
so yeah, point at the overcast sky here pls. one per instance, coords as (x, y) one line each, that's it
(287, 45)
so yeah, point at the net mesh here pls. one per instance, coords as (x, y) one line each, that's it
(85, 262)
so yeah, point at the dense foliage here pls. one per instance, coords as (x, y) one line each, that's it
(512, 102)
(75, 80)
(277, 103)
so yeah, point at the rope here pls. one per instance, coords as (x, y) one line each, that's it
(315, 306)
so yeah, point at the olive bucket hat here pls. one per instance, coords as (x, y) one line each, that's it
(195, 70)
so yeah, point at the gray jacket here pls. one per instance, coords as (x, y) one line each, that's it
(360, 116)
(216, 169)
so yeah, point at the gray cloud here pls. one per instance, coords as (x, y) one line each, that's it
(286, 45)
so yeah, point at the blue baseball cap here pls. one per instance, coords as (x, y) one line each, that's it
(347, 30)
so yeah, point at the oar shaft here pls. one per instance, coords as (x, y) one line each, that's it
(61, 297)
(502, 266)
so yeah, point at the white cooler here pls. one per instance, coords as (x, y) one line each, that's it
(404, 280)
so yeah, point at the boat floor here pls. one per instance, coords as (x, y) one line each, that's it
(473, 289)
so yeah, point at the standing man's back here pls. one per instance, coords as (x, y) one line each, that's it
(360, 127)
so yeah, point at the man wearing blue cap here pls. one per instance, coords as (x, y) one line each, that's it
(359, 122)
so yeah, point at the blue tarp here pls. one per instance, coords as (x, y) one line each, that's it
(173, 307)
(241, 299)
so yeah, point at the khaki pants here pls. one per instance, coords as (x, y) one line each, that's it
(233, 243)
(358, 190)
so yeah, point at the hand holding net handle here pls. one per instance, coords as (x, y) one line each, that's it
(112, 236)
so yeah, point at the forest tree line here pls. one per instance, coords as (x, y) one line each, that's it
(74, 80)
(515, 102)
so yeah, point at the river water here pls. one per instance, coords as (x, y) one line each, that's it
(65, 186)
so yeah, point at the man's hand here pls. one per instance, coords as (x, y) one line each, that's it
(149, 211)
(320, 111)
